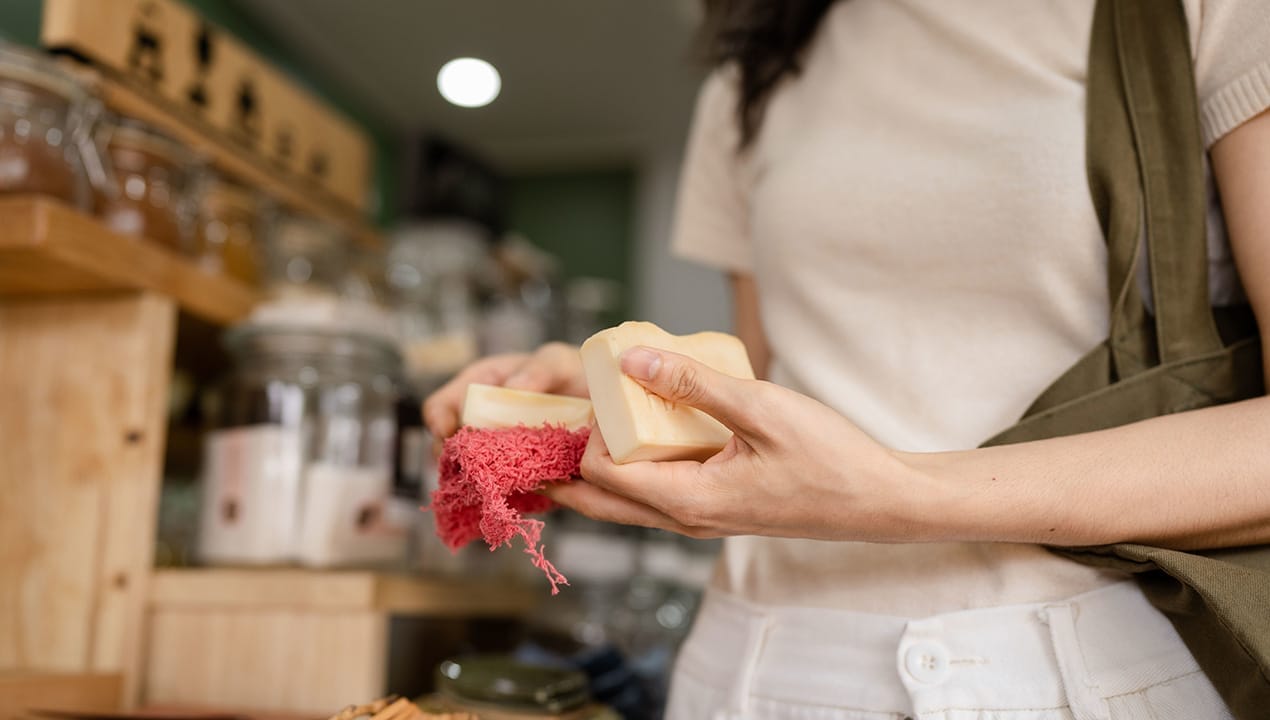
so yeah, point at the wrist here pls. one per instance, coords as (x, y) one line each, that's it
(944, 506)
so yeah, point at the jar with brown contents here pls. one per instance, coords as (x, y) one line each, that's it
(45, 129)
(227, 230)
(150, 181)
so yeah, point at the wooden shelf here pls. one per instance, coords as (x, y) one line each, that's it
(298, 194)
(49, 248)
(22, 692)
(274, 639)
(342, 590)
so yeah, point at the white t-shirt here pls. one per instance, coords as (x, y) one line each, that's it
(916, 214)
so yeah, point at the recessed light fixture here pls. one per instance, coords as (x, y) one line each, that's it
(469, 82)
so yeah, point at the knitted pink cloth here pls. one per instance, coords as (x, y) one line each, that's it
(488, 479)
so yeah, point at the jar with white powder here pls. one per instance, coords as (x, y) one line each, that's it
(300, 468)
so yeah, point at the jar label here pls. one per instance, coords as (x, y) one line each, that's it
(349, 516)
(251, 494)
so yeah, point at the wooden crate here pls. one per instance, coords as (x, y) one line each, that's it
(292, 640)
(167, 51)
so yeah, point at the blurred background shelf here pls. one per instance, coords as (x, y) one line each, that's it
(333, 590)
(49, 248)
(313, 639)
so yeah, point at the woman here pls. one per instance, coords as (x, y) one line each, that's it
(897, 189)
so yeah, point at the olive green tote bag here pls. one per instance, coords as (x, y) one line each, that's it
(1146, 175)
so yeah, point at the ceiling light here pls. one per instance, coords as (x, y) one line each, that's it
(469, 82)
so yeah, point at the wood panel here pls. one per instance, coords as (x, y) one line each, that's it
(49, 248)
(272, 660)
(315, 590)
(67, 692)
(84, 387)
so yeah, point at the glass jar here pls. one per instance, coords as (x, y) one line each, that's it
(304, 257)
(301, 465)
(150, 182)
(500, 686)
(227, 229)
(46, 119)
(364, 292)
(432, 269)
(592, 626)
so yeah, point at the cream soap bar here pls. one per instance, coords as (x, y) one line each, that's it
(487, 406)
(638, 425)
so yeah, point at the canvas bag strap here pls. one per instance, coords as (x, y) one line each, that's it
(1114, 186)
(1159, 86)
(1135, 58)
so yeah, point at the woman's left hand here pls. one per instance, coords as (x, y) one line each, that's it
(794, 468)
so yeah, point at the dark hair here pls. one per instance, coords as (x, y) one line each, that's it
(765, 38)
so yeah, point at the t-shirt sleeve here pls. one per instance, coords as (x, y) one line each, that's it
(711, 222)
(1232, 64)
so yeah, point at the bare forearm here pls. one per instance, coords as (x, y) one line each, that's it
(1193, 480)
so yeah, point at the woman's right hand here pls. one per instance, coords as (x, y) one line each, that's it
(553, 368)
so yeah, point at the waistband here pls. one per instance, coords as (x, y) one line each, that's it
(1105, 642)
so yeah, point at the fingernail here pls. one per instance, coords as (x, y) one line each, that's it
(641, 363)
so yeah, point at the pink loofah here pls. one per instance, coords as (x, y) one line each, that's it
(488, 479)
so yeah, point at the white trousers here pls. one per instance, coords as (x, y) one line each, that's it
(1103, 655)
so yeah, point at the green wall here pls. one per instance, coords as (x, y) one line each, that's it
(586, 219)
(20, 22)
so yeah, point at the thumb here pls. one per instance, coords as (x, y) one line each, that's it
(680, 379)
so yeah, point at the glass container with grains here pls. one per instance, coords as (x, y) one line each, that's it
(150, 184)
(228, 225)
(46, 124)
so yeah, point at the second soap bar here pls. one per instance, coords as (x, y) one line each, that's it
(638, 425)
(486, 406)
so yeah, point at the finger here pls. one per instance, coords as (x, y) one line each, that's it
(534, 378)
(604, 505)
(442, 409)
(554, 367)
(542, 372)
(680, 379)
(669, 487)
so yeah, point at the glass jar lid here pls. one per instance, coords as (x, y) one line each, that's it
(133, 134)
(23, 71)
(500, 682)
(223, 197)
(301, 235)
(373, 352)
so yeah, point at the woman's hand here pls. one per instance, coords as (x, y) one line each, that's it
(553, 368)
(794, 468)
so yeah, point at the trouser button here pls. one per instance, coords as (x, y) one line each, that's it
(926, 662)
